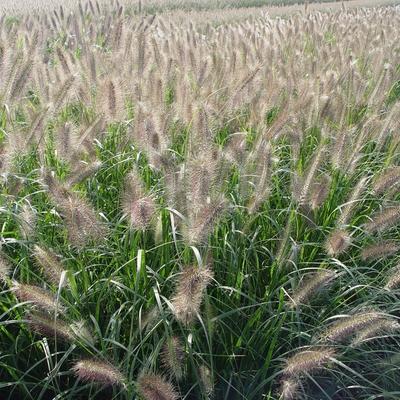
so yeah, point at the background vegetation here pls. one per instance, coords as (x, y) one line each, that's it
(191, 211)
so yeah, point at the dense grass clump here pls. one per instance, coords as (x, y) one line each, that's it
(190, 211)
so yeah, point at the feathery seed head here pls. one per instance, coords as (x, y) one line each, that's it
(348, 208)
(104, 373)
(82, 223)
(383, 220)
(5, 268)
(37, 296)
(47, 326)
(155, 387)
(235, 150)
(149, 319)
(206, 379)
(311, 285)
(302, 184)
(337, 242)
(379, 327)
(381, 250)
(202, 223)
(173, 356)
(387, 180)
(52, 267)
(346, 327)
(393, 280)
(189, 292)
(290, 388)
(307, 361)
(81, 331)
(81, 220)
(27, 222)
(138, 206)
(83, 172)
(140, 212)
(319, 192)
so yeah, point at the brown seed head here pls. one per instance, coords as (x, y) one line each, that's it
(337, 242)
(52, 267)
(173, 356)
(311, 285)
(382, 250)
(155, 387)
(347, 326)
(93, 370)
(189, 293)
(37, 296)
(307, 361)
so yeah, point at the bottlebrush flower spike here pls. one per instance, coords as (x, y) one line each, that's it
(104, 373)
(47, 326)
(83, 172)
(382, 250)
(320, 191)
(290, 389)
(351, 204)
(302, 184)
(383, 220)
(173, 356)
(37, 296)
(137, 206)
(337, 242)
(27, 222)
(155, 387)
(5, 268)
(199, 225)
(307, 361)
(206, 379)
(81, 220)
(393, 280)
(346, 327)
(311, 285)
(52, 267)
(382, 326)
(189, 293)
(387, 180)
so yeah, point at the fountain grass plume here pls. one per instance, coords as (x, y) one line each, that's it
(97, 371)
(189, 292)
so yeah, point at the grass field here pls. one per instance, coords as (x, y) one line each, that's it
(199, 208)
(168, 6)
